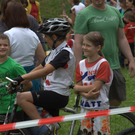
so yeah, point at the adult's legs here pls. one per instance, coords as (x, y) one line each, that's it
(117, 92)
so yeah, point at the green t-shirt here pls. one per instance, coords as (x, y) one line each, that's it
(11, 69)
(107, 23)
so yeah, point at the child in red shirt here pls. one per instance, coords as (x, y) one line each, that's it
(130, 31)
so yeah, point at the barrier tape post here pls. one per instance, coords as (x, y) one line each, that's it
(32, 123)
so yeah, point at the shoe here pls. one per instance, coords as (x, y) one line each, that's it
(44, 130)
(53, 128)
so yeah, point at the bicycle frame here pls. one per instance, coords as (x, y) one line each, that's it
(74, 111)
(14, 106)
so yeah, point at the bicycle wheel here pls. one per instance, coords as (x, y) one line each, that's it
(18, 131)
(120, 122)
(128, 131)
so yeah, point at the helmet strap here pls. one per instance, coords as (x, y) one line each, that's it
(54, 41)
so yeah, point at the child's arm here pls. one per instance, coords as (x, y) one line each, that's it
(90, 91)
(27, 86)
(114, 2)
(39, 73)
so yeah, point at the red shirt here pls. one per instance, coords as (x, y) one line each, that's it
(130, 30)
(34, 10)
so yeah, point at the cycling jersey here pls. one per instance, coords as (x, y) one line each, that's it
(62, 58)
(88, 73)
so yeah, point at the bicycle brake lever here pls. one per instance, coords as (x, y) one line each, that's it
(71, 86)
(12, 81)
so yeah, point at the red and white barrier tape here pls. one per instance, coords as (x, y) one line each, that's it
(44, 121)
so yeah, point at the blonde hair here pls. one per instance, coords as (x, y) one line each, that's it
(96, 38)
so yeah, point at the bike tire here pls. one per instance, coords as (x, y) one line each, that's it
(21, 131)
(128, 131)
(121, 121)
(128, 117)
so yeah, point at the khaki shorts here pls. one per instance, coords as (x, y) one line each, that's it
(95, 126)
(118, 87)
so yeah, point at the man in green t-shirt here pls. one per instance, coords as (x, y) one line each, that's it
(11, 69)
(107, 20)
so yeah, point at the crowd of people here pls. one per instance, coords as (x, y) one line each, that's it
(95, 42)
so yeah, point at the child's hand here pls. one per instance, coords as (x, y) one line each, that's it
(91, 94)
(76, 89)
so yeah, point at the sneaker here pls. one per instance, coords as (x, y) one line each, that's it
(53, 128)
(44, 130)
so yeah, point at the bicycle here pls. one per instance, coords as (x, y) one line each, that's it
(127, 116)
(128, 131)
(5, 119)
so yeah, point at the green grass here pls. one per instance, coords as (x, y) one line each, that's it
(53, 8)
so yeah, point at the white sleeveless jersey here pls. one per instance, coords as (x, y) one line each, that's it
(60, 79)
(78, 7)
(88, 75)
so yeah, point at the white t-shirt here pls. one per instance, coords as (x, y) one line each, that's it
(23, 43)
(78, 7)
(88, 73)
(118, 5)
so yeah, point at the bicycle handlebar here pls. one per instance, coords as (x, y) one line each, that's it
(71, 86)
(12, 81)
(13, 89)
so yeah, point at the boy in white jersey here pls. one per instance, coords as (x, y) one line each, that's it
(57, 68)
(93, 77)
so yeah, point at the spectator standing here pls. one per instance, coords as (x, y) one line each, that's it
(9, 68)
(125, 7)
(70, 39)
(33, 23)
(34, 10)
(107, 20)
(130, 31)
(87, 2)
(24, 43)
(76, 7)
(93, 78)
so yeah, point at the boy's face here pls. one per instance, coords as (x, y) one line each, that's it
(4, 47)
